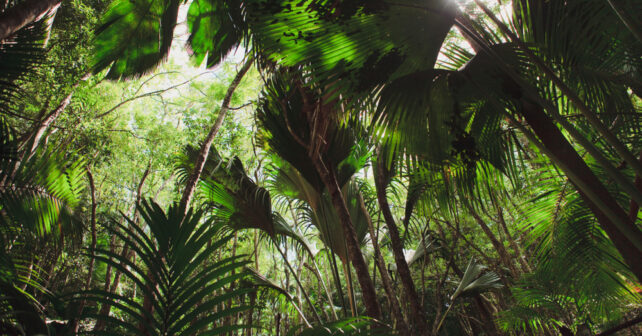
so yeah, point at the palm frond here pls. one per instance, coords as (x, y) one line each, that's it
(473, 283)
(174, 250)
(134, 36)
(365, 45)
(216, 28)
(41, 193)
(19, 57)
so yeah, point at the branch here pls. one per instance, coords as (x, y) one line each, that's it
(147, 94)
(192, 181)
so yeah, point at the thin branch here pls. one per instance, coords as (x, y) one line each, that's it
(147, 94)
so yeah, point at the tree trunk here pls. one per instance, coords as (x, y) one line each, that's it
(526, 268)
(148, 305)
(634, 207)
(579, 173)
(90, 269)
(354, 253)
(622, 326)
(504, 257)
(127, 253)
(348, 277)
(192, 181)
(300, 285)
(34, 138)
(402, 327)
(24, 13)
(418, 316)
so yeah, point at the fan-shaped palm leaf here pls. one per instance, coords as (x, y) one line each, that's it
(240, 203)
(325, 219)
(287, 131)
(20, 55)
(135, 36)
(216, 27)
(472, 283)
(262, 281)
(365, 45)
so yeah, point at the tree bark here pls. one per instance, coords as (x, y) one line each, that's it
(127, 253)
(634, 207)
(504, 257)
(418, 316)
(579, 172)
(90, 269)
(402, 327)
(518, 251)
(192, 181)
(40, 129)
(24, 13)
(354, 253)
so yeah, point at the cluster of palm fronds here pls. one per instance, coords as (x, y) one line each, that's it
(544, 106)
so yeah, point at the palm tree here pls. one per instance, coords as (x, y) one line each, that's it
(562, 75)
(234, 199)
(38, 198)
(295, 36)
(472, 282)
(175, 249)
(304, 130)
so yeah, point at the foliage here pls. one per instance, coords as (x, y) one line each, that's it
(174, 249)
(503, 134)
(350, 326)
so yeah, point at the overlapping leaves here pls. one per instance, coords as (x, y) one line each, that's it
(175, 270)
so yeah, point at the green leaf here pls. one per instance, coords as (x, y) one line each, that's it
(134, 37)
(216, 28)
(472, 283)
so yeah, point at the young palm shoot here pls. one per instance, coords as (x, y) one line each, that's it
(472, 283)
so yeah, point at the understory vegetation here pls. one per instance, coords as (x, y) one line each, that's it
(318, 167)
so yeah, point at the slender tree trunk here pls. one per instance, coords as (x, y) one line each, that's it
(250, 313)
(579, 173)
(127, 253)
(300, 285)
(632, 25)
(504, 257)
(148, 305)
(348, 277)
(622, 326)
(192, 181)
(354, 253)
(634, 207)
(402, 327)
(90, 270)
(39, 130)
(418, 317)
(332, 260)
(518, 251)
(112, 249)
(23, 14)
